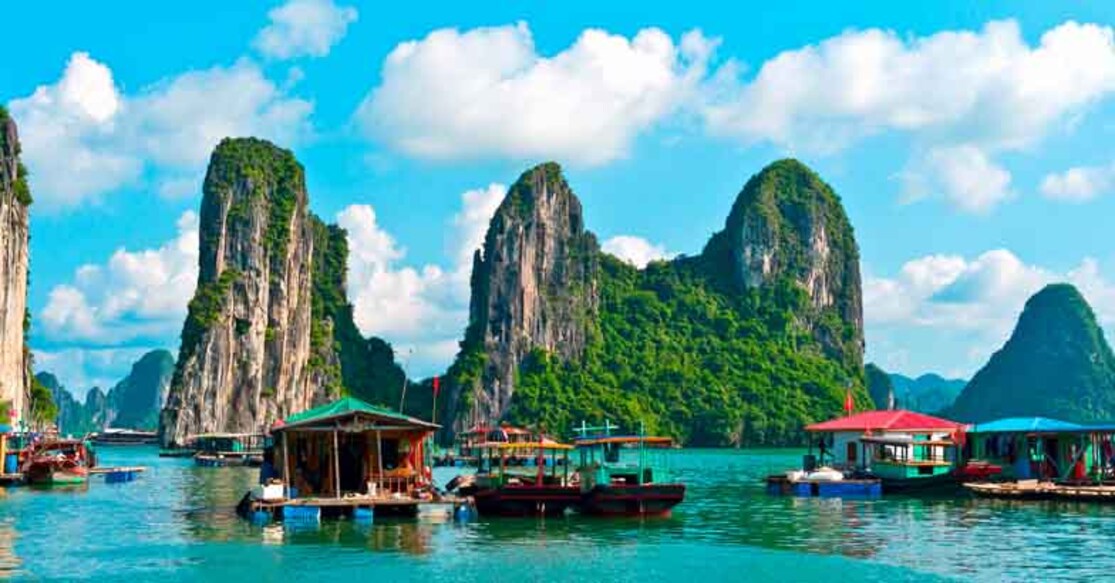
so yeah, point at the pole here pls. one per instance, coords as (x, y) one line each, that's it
(286, 466)
(336, 466)
(403, 396)
(379, 459)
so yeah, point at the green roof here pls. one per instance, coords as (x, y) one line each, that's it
(351, 406)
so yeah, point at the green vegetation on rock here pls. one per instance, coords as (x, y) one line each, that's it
(674, 353)
(205, 310)
(880, 386)
(1056, 363)
(21, 188)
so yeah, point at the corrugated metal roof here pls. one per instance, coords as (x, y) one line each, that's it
(1028, 425)
(350, 406)
(897, 420)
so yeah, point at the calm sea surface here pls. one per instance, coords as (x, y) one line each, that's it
(176, 523)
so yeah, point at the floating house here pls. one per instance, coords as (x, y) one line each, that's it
(905, 449)
(1040, 448)
(229, 449)
(346, 458)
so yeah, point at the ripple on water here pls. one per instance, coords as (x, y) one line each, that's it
(177, 523)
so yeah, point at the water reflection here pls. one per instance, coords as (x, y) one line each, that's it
(9, 561)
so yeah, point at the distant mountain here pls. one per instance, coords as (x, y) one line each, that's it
(133, 403)
(138, 398)
(1055, 364)
(879, 385)
(929, 393)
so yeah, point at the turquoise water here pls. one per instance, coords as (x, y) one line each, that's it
(176, 523)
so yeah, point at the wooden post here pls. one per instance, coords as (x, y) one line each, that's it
(379, 461)
(287, 478)
(336, 466)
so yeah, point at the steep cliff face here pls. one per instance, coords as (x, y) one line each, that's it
(246, 343)
(1056, 364)
(745, 344)
(71, 419)
(533, 287)
(787, 223)
(15, 197)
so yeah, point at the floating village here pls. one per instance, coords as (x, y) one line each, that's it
(350, 459)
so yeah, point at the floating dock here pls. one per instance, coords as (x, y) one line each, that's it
(347, 507)
(1035, 490)
(779, 484)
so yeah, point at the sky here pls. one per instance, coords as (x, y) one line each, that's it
(971, 144)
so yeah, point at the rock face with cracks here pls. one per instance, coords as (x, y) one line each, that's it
(15, 198)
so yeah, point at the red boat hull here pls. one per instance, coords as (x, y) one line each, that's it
(641, 500)
(526, 500)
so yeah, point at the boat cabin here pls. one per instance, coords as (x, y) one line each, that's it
(894, 444)
(1042, 448)
(627, 460)
(501, 463)
(349, 447)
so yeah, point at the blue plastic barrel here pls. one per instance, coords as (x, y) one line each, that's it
(11, 464)
(302, 513)
(363, 514)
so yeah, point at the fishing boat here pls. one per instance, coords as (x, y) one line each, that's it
(624, 475)
(503, 487)
(218, 450)
(59, 462)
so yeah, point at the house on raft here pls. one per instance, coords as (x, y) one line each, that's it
(345, 458)
(1045, 449)
(904, 449)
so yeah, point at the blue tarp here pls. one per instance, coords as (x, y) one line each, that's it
(5, 428)
(1028, 425)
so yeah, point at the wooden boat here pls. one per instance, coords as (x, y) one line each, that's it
(624, 475)
(218, 450)
(505, 488)
(124, 437)
(59, 462)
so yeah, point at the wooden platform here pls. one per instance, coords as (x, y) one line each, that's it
(134, 469)
(346, 506)
(1035, 490)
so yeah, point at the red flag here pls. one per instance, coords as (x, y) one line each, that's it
(849, 402)
(437, 386)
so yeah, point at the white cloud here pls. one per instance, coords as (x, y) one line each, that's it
(988, 87)
(134, 295)
(83, 137)
(1079, 184)
(962, 174)
(304, 28)
(635, 250)
(948, 313)
(421, 311)
(487, 92)
(962, 95)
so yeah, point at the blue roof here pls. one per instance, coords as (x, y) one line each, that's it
(1028, 425)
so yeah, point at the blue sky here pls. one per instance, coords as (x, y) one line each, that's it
(970, 144)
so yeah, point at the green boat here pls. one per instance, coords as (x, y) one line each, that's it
(624, 475)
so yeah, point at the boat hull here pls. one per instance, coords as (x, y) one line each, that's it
(636, 500)
(52, 476)
(941, 484)
(526, 500)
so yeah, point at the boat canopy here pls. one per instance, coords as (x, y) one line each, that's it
(1029, 425)
(896, 420)
(907, 440)
(523, 445)
(623, 439)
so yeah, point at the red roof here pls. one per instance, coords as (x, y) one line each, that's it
(885, 420)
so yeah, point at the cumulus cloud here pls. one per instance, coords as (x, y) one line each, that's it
(635, 250)
(134, 295)
(963, 95)
(963, 308)
(304, 28)
(487, 92)
(988, 87)
(422, 311)
(83, 137)
(964, 174)
(1079, 184)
